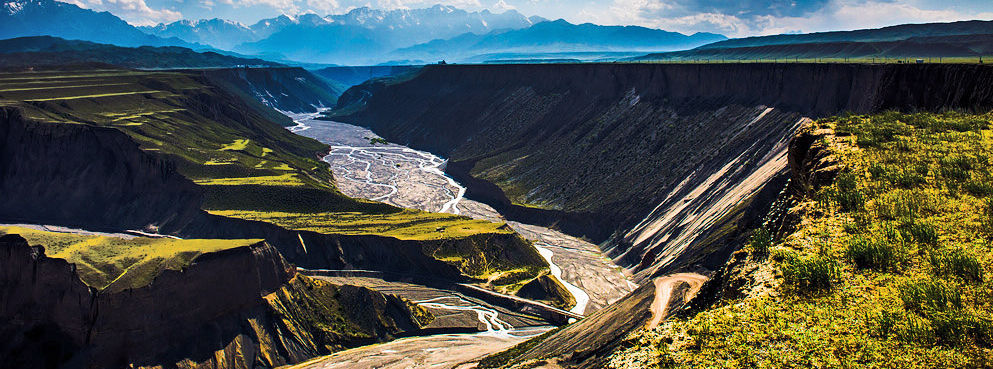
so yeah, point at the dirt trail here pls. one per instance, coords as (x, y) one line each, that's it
(663, 293)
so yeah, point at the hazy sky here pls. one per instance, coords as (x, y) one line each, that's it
(733, 18)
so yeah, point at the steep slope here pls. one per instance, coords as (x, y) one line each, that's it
(54, 18)
(137, 141)
(888, 265)
(351, 76)
(664, 161)
(41, 51)
(263, 314)
(285, 89)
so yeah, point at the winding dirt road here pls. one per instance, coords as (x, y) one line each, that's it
(663, 293)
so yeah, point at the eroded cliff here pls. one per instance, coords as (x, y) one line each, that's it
(664, 162)
(237, 308)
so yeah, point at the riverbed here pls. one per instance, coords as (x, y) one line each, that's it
(366, 166)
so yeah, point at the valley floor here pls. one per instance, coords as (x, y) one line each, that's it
(366, 167)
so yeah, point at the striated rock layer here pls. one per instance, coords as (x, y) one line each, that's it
(665, 162)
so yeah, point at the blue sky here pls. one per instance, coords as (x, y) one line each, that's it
(732, 18)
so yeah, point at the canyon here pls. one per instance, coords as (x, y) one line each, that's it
(507, 199)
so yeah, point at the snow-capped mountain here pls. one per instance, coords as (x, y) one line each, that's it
(52, 18)
(220, 33)
(371, 32)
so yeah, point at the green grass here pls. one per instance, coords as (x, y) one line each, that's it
(889, 267)
(405, 225)
(114, 264)
(249, 166)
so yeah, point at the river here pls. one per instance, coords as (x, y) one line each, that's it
(365, 166)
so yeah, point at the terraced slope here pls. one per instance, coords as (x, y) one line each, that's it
(242, 165)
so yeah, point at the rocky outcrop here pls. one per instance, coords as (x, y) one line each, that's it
(664, 161)
(812, 164)
(238, 308)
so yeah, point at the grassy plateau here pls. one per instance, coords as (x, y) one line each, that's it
(113, 264)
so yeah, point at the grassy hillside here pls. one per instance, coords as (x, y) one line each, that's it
(39, 51)
(208, 132)
(889, 267)
(247, 166)
(113, 264)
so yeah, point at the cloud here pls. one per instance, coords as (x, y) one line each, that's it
(323, 7)
(502, 6)
(751, 18)
(136, 12)
(284, 6)
(414, 4)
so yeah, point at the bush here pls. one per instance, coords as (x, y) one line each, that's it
(906, 204)
(760, 241)
(928, 297)
(809, 275)
(958, 263)
(916, 330)
(920, 232)
(845, 192)
(879, 255)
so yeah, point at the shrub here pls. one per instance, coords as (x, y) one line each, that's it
(760, 241)
(958, 263)
(905, 204)
(930, 296)
(811, 274)
(885, 322)
(915, 329)
(955, 167)
(866, 253)
(978, 187)
(845, 192)
(920, 232)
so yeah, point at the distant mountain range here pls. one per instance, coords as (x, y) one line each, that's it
(39, 51)
(361, 35)
(19, 18)
(395, 28)
(556, 36)
(967, 39)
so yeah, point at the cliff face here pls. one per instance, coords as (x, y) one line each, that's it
(238, 308)
(286, 89)
(88, 176)
(44, 296)
(664, 161)
(96, 178)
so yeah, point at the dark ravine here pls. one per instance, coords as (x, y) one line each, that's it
(601, 148)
